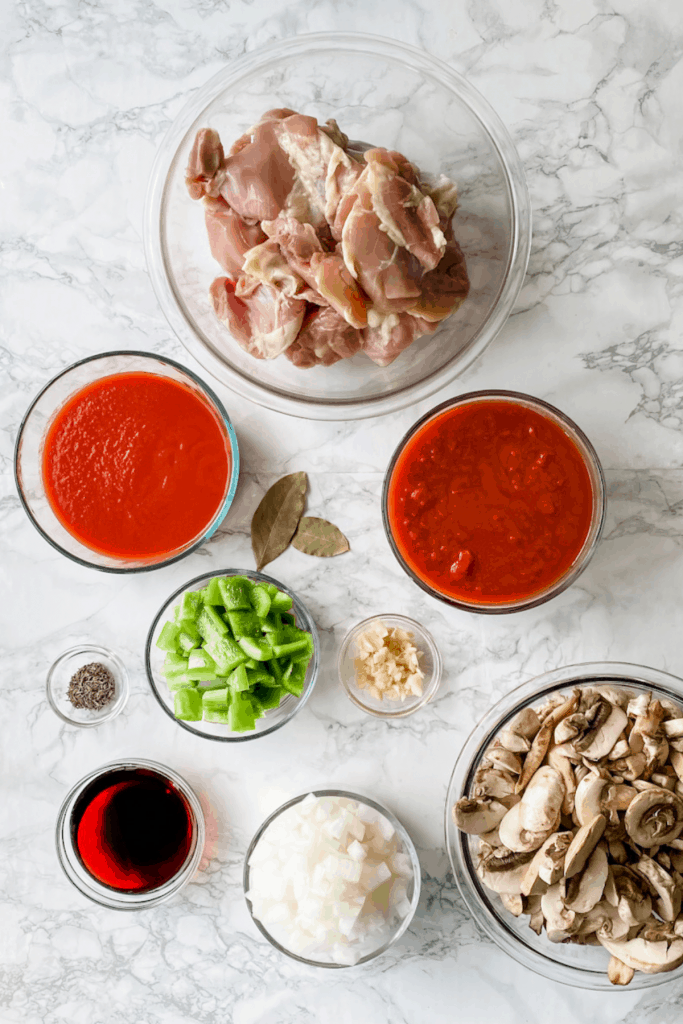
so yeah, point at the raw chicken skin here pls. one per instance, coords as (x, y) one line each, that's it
(331, 246)
(387, 335)
(230, 237)
(445, 289)
(264, 322)
(324, 339)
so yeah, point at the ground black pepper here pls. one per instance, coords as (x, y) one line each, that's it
(91, 687)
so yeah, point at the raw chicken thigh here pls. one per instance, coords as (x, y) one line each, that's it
(330, 247)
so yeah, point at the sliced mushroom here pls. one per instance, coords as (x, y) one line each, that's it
(673, 729)
(539, 747)
(583, 844)
(665, 781)
(515, 904)
(516, 837)
(542, 800)
(521, 730)
(546, 868)
(558, 760)
(478, 816)
(677, 764)
(668, 906)
(588, 798)
(633, 904)
(560, 922)
(504, 873)
(601, 738)
(654, 817)
(649, 957)
(618, 972)
(506, 760)
(620, 749)
(583, 891)
(631, 767)
(492, 782)
(647, 725)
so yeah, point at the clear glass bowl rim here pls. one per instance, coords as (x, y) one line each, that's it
(119, 702)
(409, 849)
(518, 194)
(599, 501)
(219, 408)
(96, 891)
(314, 663)
(429, 691)
(529, 693)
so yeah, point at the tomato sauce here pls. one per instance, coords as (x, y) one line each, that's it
(490, 502)
(136, 465)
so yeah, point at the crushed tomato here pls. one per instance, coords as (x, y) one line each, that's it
(490, 502)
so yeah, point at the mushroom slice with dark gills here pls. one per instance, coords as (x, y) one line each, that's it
(503, 872)
(475, 817)
(654, 817)
(604, 725)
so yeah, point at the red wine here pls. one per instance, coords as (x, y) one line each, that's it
(132, 829)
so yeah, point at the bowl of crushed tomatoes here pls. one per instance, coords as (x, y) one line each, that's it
(494, 502)
(126, 461)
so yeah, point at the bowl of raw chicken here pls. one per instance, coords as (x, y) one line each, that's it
(564, 825)
(337, 226)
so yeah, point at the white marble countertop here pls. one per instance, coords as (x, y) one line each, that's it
(591, 93)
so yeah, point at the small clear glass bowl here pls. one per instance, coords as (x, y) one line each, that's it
(381, 92)
(89, 886)
(430, 664)
(28, 454)
(407, 847)
(59, 677)
(578, 966)
(593, 467)
(273, 719)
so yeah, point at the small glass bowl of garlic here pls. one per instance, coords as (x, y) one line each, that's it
(389, 666)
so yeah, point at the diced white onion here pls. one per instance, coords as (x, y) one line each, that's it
(329, 878)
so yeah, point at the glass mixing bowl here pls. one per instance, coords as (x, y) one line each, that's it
(86, 883)
(578, 966)
(384, 93)
(273, 719)
(430, 664)
(28, 454)
(407, 847)
(593, 467)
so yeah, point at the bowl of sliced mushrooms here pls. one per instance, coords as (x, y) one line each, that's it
(564, 825)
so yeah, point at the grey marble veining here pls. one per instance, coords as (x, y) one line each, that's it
(591, 94)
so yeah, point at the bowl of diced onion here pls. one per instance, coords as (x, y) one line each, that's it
(332, 879)
(389, 666)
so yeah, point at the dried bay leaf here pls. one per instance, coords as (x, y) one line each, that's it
(320, 538)
(277, 517)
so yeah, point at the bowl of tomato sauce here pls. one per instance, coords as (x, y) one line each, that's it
(126, 461)
(494, 501)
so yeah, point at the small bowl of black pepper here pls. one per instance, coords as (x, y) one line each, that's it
(87, 685)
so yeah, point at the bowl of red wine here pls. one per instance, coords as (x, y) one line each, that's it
(130, 834)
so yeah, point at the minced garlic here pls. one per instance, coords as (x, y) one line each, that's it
(387, 664)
